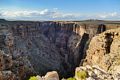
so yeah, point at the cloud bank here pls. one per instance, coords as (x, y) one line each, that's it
(54, 14)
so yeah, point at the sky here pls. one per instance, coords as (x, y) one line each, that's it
(60, 9)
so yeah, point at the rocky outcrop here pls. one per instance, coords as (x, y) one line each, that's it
(104, 51)
(94, 73)
(12, 67)
(5, 61)
(7, 75)
(5, 66)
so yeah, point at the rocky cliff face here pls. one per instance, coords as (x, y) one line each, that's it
(46, 46)
(104, 51)
(12, 66)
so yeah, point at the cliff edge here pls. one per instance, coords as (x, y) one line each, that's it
(104, 51)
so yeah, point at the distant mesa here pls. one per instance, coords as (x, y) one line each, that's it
(2, 20)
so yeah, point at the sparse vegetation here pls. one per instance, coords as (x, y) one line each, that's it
(33, 78)
(81, 74)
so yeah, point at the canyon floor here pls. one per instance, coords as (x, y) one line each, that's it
(67, 48)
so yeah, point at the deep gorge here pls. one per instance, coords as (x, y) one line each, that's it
(39, 47)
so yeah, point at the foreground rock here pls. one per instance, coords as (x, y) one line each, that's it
(94, 73)
(83, 73)
(53, 75)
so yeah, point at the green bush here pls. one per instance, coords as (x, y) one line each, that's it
(33, 78)
(81, 74)
(71, 78)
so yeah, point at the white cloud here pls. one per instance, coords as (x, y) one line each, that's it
(108, 15)
(50, 14)
(114, 14)
(53, 14)
(23, 13)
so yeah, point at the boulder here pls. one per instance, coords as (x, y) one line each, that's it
(52, 76)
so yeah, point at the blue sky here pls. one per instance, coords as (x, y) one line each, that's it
(60, 9)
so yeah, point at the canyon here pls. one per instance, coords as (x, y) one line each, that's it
(36, 47)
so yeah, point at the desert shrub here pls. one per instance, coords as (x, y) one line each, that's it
(81, 74)
(33, 78)
(71, 78)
